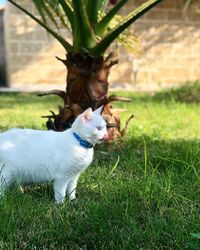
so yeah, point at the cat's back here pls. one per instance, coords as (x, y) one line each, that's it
(26, 138)
(43, 146)
(29, 147)
(19, 135)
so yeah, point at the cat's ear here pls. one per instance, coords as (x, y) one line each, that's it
(86, 115)
(99, 110)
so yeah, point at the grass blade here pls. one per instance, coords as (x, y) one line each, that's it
(145, 158)
(114, 167)
(195, 235)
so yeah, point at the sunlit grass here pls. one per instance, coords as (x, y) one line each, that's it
(142, 193)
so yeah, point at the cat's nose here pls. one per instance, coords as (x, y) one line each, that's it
(105, 136)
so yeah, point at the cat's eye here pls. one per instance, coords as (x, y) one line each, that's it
(99, 128)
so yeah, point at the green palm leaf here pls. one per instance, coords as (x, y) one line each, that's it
(57, 11)
(68, 11)
(92, 30)
(92, 9)
(112, 35)
(102, 26)
(84, 38)
(45, 11)
(130, 41)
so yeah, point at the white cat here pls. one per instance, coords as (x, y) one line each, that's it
(31, 156)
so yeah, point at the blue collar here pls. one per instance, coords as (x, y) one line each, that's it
(82, 142)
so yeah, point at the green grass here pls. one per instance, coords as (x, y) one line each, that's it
(142, 193)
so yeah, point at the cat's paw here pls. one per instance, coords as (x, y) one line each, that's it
(60, 201)
(72, 198)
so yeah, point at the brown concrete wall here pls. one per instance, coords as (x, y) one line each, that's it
(3, 63)
(171, 43)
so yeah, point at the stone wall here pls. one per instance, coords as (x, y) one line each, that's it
(171, 44)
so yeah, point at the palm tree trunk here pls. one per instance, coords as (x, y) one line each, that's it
(87, 86)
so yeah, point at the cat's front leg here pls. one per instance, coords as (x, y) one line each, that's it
(71, 187)
(60, 186)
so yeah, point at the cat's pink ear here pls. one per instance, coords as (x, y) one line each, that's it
(99, 110)
(87, 115)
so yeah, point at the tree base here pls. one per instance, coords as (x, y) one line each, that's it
(87, 86)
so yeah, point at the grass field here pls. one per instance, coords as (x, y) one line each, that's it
(142, 193)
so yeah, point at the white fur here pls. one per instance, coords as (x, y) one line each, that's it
(30, 156)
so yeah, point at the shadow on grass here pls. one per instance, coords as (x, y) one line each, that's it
(158, 153)
(149, 200)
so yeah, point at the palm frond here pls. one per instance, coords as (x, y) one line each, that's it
(68, 12)
(57, 12)
(102, 26)
(127, 39)
(40, 7)
(92, 29)
(102, 7)
(46, 12)
(83, 36)
(92, 9)
(132, 43)
(127, 21)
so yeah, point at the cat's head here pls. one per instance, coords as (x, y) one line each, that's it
(91, 126)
